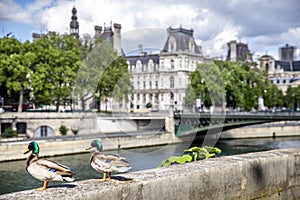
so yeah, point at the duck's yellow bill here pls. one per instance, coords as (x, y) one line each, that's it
(27, 150)
(89, 148)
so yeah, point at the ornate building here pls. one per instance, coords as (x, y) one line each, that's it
(110, 35)
(160, 77)
(287, 53)
(238, 52)
(281, 73)
(74, 25)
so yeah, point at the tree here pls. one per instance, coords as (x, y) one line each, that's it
(241, 84)
(207, 84)
(103, 75)
(15, 66)
(55, 72)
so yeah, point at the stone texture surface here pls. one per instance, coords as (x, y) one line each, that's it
(264, 175)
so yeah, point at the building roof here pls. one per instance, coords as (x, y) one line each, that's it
(147, 51)
(144, 59)
(290, 66)
(182, 37)
(107, 33)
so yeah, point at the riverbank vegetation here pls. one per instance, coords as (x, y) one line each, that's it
(237, 85)
(64, 70)
(61, 69)
(191, 155)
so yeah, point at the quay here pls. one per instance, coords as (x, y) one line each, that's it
(63, 146)
(130, 130)
(263, 175)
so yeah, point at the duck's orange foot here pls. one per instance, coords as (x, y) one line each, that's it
(44, 187)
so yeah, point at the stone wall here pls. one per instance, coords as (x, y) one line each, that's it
(14, 150)
(272, 129)
(264, 175)
(86, 123)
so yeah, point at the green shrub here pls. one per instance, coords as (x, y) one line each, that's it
(9, 132)
(75, 131)
(63, 130)
(192, 154)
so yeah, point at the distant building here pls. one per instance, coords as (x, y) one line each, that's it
(281, 73)
(113, 36)
(74, 25)
(238, 52)
(287, 53)
(160, 76)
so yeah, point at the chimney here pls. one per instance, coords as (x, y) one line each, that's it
(141, 49)
(117, 39)
(98, 30)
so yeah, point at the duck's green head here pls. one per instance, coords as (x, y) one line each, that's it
(34, 147)
(97, 144)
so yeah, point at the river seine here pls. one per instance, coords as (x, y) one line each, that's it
(13, 176)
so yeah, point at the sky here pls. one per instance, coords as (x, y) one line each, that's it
(263, 25)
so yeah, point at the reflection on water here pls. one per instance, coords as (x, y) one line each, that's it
(13, 176)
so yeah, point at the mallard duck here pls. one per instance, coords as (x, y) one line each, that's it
(107, 162)
(45, 170)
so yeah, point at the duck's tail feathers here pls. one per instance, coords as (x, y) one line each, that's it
(123, 169)
(69, 179)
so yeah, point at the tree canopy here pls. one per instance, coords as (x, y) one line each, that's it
(240, 83)
(59, 68)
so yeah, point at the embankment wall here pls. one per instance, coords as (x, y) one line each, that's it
(264, 175)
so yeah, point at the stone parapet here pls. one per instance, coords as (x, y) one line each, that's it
(264, 175)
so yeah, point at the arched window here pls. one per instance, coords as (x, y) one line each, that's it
(191, 46)
(150, 64)
(172, 64)
(172, 96)
(267, 67)
(171, 82)
(139, 65)
(172, 44)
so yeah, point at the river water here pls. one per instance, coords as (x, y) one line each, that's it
(13, 176)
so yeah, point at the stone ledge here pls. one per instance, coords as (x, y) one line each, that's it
(264, 175)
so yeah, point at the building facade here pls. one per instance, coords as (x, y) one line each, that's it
(238, 52)
(110, 35)
(160, 76)
(287, 53)
(281, 73)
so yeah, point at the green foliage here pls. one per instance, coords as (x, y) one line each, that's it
(102, 74)
(207, 84)
(239, 82)
(16, 61)
(8, 133)
(192, 154)
(55, 69)
(149, 105)
(75, 131)
(63, 130)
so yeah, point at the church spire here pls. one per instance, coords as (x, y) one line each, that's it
(74, 25)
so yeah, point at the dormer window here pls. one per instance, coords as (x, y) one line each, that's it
(172, 45)
(191, 46)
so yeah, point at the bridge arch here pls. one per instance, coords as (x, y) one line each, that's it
(43, 131)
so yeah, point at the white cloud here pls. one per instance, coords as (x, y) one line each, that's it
(263, 25)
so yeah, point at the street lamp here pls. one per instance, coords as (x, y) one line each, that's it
(293, 96)
(106, 100)
(274, 101)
